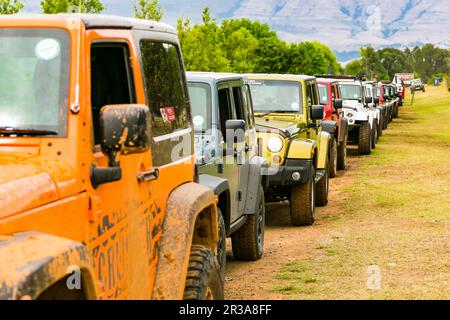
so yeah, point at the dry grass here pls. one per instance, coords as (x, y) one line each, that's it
(396, 217)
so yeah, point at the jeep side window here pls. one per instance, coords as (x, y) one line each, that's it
(248, 106)
(239, 104)
(111, 79)
(167, 98)
(225, 109)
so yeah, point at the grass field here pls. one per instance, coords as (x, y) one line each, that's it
(394, 219)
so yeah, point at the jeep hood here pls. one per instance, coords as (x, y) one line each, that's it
(27, 183)
(287, 127)
(353, 104)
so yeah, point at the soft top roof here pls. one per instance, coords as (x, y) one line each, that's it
(98, 21)
(323, 80)
(285, 77)
(212, 76)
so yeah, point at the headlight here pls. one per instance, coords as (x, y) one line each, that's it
(275, 144)
(350, 114)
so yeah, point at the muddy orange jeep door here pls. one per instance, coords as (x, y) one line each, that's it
(123, 212)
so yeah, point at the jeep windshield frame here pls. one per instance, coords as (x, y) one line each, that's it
(34, 81)
(276, 96)
(351, 91)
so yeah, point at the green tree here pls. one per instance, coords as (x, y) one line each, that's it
(354, 68)
(201, 45)
(149, 10)
(394, 61)
(63, 6)
(371, 64)
(10, 6)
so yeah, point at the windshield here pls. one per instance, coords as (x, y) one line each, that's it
(350, 91)
(323, 93)
(34, 80)
(200, 97)
(276, 96)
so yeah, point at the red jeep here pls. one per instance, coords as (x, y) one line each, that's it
(334, 123)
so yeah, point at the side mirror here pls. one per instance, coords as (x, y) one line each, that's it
(338, 103)
(385, 97)
(368, 100)
(235, 133)
(123, 129)
(317, 112)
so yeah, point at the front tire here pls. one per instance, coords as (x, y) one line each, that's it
(342, 155)
(323, 188)
(365, 139)
(374, 135)
(302, 202)
(332, 172)
(248, 241)
(204, 281)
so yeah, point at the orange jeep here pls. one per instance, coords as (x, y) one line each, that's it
(98, 198)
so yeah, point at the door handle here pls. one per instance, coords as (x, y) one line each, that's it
(147, 176)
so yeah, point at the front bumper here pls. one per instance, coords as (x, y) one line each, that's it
(283, 177)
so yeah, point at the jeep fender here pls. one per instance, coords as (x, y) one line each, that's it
(329, 126)
(302, 149)
(257, 164)
(322, 156)
(191, 218)
(221, 188)
(32, 262)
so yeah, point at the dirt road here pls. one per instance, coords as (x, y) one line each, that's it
(385, 233)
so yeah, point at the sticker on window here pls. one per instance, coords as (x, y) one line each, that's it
(168, 114)
(47, 49)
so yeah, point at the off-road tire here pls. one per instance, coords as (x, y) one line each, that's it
(395, 115)
(323, 189)
(342, 155)
(222, 244)
(248, 241)
(374, 135)
(332, 172)
(303, 202)
(203, 281)
(380, 126)
(365, 139)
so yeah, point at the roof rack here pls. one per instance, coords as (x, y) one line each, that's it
(341, 76)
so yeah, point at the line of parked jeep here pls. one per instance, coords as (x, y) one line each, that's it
(102, 195)
(266, 138)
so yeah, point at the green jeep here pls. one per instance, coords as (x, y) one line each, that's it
(288, 116)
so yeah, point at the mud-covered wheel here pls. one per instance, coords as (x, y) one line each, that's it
(222, 244)
(303, 202)
(323, 188)
(342, 155)
(332, 172)
(374, 135)
(248, 241)
(203, 281)
(365, 139)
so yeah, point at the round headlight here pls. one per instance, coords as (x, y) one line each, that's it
(350, 114)
(275, 144)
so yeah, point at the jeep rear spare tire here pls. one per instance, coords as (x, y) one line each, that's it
(303, 202)
(203, 281)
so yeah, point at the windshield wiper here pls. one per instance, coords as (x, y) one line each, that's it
(270, 112)
(26, 132)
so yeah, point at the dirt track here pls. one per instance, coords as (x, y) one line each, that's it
(390, 209)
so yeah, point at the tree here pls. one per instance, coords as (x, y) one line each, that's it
(371, 64)
(10, 6)
(149, 10)
(201, 45)
(63, 6)
(394, 61)
(354, 68)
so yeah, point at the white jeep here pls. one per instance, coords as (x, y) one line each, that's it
(363, 119)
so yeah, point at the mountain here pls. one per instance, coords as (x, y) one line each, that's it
(344, 25)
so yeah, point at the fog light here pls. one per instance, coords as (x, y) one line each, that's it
(296, 176)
